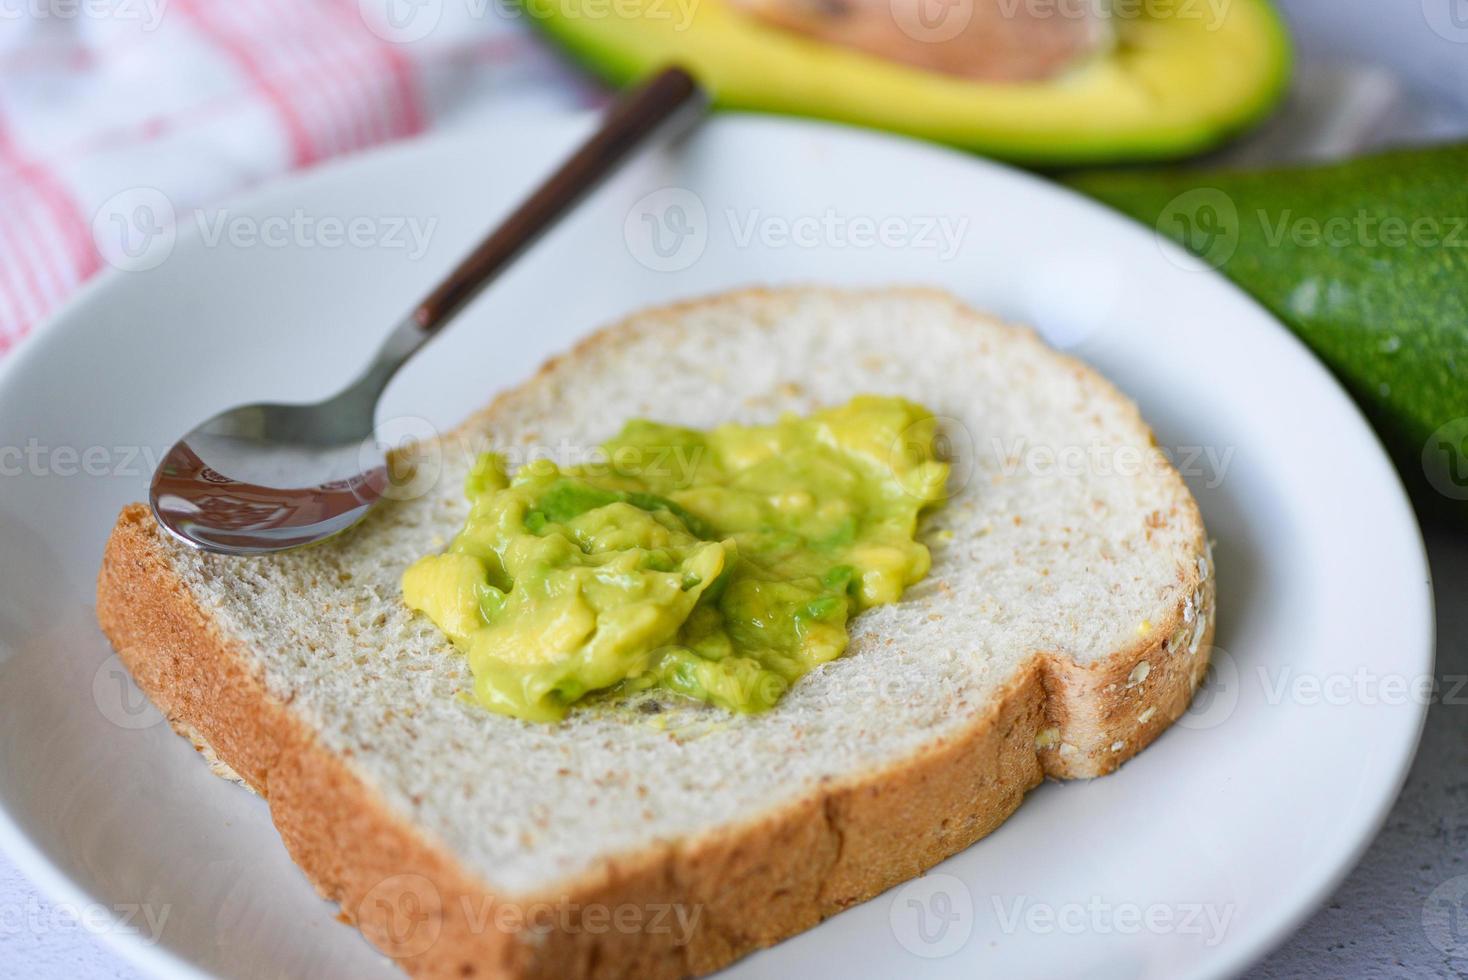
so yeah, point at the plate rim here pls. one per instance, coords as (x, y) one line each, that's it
(52, 881)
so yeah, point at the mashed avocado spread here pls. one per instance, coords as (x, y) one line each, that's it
(720, 565)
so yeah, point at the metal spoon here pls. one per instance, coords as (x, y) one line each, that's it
(264, 477)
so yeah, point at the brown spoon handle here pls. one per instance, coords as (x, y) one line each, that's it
(627, 125)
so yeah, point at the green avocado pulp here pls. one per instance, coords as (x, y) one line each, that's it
(1181, 76)
(720, 565)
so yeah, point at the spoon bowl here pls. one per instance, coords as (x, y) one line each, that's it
(268, 477)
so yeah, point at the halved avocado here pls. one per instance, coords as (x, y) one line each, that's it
(1182, 76)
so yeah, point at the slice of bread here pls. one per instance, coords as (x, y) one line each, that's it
(1065, 623)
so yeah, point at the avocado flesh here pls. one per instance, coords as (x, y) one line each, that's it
(1332, 251)
(720, 565)
(1171, 85)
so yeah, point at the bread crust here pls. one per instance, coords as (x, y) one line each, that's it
(738, 887)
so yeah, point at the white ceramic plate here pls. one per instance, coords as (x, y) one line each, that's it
(1191, 862)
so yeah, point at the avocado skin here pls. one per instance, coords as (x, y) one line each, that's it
(783, 73)
(1390, 318)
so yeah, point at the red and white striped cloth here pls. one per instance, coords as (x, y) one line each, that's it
(200, 99)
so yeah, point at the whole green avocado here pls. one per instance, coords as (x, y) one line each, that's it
(1367, 261)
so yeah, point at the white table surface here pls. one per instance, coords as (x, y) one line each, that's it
(1373, 926)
